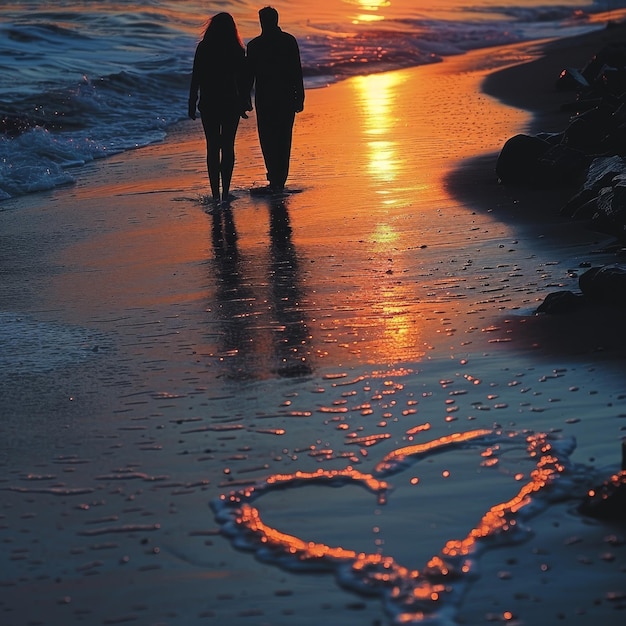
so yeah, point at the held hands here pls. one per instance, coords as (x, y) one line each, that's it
(246, 106)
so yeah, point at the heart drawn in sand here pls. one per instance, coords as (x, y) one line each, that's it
(409, 595)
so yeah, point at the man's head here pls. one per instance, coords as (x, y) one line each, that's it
(268, 16)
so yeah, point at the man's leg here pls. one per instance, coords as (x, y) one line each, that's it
(283, 147)
(275, 131)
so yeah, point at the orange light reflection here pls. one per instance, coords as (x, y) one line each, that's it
(502, 517)
(396, 457)
(377, 96)
(372, 7)
(377, 103)
(416, 592)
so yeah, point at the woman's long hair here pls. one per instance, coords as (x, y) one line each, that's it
(221, 33)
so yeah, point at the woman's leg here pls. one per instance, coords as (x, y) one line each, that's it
(229, 130)
(212, 133)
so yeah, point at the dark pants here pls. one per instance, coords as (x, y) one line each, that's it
(275, 128)
(220, 131)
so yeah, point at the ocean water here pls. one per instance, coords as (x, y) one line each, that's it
(85, 79)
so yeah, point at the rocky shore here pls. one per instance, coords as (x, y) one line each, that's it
(586, 159)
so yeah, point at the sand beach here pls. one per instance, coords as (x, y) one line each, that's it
(158, 354)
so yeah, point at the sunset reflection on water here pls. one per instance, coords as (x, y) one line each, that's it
(376, 94)
(368, 260)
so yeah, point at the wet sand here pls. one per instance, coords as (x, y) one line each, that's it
(157, 354)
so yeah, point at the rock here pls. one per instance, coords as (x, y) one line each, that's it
(587, 131)
(610, 212)
(605, 285)
(582, 103)
(599, 285)
(612, 55)
(561, 164)
(518, 160)
(601, 173)
(571, 79)
(530, 160)
(603, 169)
(552, 138)
(561, 302)
(613, 142)
(593, 143)
(614, 80)
(608, 500)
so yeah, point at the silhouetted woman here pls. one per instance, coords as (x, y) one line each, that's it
(219, 73)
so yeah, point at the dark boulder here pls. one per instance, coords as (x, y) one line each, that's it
(604, 285)
(614, 80)
(611, 55)
(600, 174)
(571, 79)
(610, 214)
(531, 160)
(560, 165)
(607, 501)
(592, 145)
(518, 160)
(588, 131)
(560, 302)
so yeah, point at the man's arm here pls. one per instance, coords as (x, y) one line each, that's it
(298, 80)
(251, 63)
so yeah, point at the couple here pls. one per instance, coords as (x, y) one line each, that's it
(224, 75)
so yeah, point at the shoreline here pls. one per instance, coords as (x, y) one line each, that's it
(150, 340)
(538, 209)
(511, 85)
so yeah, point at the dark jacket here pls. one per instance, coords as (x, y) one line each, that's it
(276, 71)
(221, 77)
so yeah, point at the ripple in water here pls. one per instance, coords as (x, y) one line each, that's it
(30, 346)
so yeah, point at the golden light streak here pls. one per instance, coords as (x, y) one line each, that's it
(401, 454)
(363, 17)
(373, 10)
(377, 97)
(369, 5)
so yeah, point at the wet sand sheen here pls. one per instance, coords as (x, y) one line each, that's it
(367, 313)
(374, 230)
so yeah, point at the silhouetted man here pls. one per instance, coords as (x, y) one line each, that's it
(276, 72)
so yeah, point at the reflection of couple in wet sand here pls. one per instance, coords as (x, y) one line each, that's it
(252, 318)
(224, 76)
